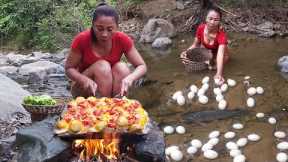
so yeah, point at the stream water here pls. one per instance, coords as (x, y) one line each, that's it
(250, 56)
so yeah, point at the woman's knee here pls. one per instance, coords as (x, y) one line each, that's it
(120, 70)
(101, 68)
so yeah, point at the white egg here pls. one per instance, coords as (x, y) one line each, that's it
(214, 134)
(222, 104)
(241, 142)
(210, 154)
(213, 141)
(203, 99)
(231, 145)
(191, 150)
(180, 100)
(206, 146)
(234, 153)
(176, 155)
(260, 90)
(239, 158)
(280, 134)
(219, 97)
(260, 115)
(205, 86)
(237, 126)
(251, 102)
(217, 81)
(169, 149)
(272, 120)
(191, 95)
(180, 130)
(282, 157)
(282, 145)
(201, 92)
(229, 135)
(253, 137)
(168, 130)
(205, 80)
(217, 91)
(251, 91)
(196, 143)
(176, 94)
(193, 88)
(247, 77)
(231, 82)
(224, 87)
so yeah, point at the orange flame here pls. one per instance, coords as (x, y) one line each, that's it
(107, 148)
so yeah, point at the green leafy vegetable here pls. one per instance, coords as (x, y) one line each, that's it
(39, 100)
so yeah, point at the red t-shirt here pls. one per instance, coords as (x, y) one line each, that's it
(220, 38)
(121, 43)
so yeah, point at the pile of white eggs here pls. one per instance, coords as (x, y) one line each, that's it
(252, 91)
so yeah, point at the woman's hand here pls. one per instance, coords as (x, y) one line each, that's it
(89, 85)
(126, 83)
(219, 79)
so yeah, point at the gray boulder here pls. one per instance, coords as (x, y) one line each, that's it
(156, 28)
(38, 143)
(162, 42)
(39, 71)
(11, 96)
(8, 70)
(18, 59)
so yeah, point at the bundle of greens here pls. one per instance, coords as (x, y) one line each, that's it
(39, 100)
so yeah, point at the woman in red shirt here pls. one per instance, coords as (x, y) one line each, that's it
(211, 36)
(93, 63)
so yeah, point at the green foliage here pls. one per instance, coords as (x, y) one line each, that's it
(46, 24)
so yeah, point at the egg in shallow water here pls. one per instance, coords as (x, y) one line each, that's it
(203, 99)
(219, 97)
(282, 145)
(234, 153)
(169, 149)
(260, 115)
(191, 150)
(176, 94)
(210, 154)
(196, 143)
(253, 137)
(239, 158)
(214, 134)
(281, 157)
(222, 104)
(168, 130)
(241, 142)
(251, 102)
(238, 126)
(224, 87)
(191, 95)
(180, 130)
(193, 88)
(205, 80)
(217, 91)
(176, 155)
(205, 86)
(181, 100)
(251, 91)
(213, 141)
(217, 82)
(231, 145)
(229, 135)
(206, 146)
(260, 90)
(231, 82)
(201, 92)
(272, 120)
(280, 134)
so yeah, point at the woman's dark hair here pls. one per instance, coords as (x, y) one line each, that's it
(103, 9)
(216, 9)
